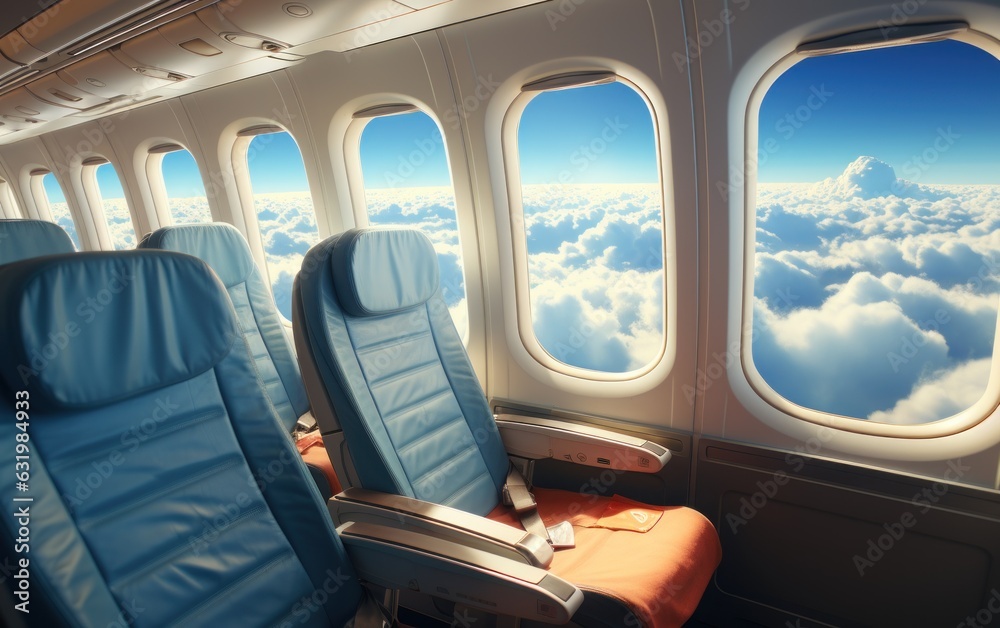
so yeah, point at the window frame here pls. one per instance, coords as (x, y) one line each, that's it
(659, 366)
(239, 158)
(92, 192)
(746, 381)
(9, 206)
(43, 205)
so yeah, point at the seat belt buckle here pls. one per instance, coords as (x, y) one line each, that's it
(305, 424)
(561, 535)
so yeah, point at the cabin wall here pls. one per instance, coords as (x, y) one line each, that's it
(465, 76)
(702, 66)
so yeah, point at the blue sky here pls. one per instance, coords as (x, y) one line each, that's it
(181, 176)
(275, 164)
(600, 134)
(108, 182)
(52, 189)
(404, 150)
(596, 134)
(889, 103)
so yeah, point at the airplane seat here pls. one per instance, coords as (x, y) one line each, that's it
(21, 239)
(226, 251)
(161, 489)
(393, 372)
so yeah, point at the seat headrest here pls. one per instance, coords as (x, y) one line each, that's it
(21, 239)
(221, 245)
(89, 329)
(383, 270)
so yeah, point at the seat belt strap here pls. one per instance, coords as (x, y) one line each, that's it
(516, 495)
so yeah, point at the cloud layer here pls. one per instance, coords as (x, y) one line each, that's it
(875, 297)
(595, 269)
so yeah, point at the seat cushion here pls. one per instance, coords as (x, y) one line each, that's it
(652, 578)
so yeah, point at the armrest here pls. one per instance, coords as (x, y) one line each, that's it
(406, 513)
(535, 438)
(402, 559)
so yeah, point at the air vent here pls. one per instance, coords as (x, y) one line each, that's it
(254, 42)
(157, 73)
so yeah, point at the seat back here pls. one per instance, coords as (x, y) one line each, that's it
(21, 239)
(391, 371)
(225, 249)
(163, 489)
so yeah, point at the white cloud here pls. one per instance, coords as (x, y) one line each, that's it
(872, 290)
(839, 358)
(943, 396)
(875, 297)
(595, 267)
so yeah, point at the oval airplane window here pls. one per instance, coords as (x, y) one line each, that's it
(871, 237)
(589, 237)
(285, 214)
(407, 183)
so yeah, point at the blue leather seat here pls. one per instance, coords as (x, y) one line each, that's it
(163, 488)
(372, 324)
(21, 239)
(225, 250)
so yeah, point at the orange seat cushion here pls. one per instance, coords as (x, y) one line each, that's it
(314, 453)
(659, 574)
